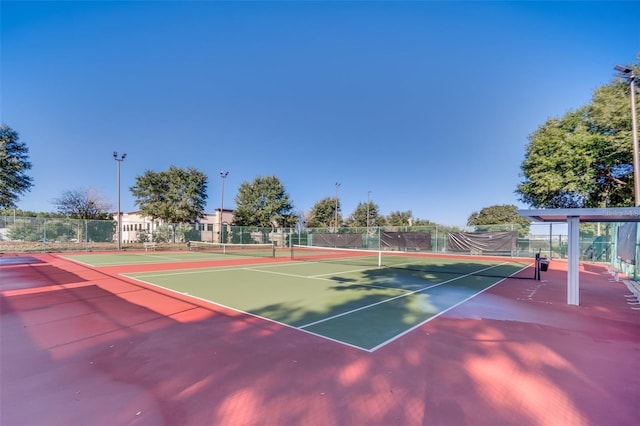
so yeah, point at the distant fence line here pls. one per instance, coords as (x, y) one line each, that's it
(41, 234)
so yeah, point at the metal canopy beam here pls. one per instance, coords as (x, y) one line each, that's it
(612, 214)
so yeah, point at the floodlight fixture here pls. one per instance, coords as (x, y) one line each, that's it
(622, 69)
(223, 175)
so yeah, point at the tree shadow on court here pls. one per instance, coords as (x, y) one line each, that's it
(369, 307)
(36, 274)
(141, 357)
(299, 313)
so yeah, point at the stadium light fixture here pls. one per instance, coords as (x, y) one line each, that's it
(118, 161)
(223, 175)
(629, 75)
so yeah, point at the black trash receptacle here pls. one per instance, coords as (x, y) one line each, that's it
(544, 265)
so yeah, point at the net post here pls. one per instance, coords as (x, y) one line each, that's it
(273, 249)
(379, 258)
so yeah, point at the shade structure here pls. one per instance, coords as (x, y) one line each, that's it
(573, 217)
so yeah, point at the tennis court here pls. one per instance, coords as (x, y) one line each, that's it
(359, 298)
(88, 345)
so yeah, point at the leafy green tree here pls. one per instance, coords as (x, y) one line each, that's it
(264, 203)
(559, 165)
(175, 195)
(60, 229)
(164, 233)
(14, 164)
(359, 216)
(24, 230)
(323, 214)
(610, 117)
(398, 218)
(83, 204)
(187, 232)
(500, 214)
(423, 222)
(27, 213)
(583, 159)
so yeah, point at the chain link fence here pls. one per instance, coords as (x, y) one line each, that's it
(41, 234)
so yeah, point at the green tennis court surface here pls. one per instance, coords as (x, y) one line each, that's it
(345, 300)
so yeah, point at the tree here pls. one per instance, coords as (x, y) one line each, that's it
(264, 203)
(27, 213)
(399, 218)
(359, 216)
(23, 230)
(14, 164)
(323, 213)
(500, 214)
(176, 195)
(423, 222)
(187, 232)
(83, 204)
(583, 159)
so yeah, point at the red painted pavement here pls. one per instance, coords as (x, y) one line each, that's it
(85, 347)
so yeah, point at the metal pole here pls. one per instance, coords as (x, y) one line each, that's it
(636, 150)
(629, 75)
(368, 204)
(336, 212)
(551, 241)
(119, 212)
(223, 175)
(119, 160)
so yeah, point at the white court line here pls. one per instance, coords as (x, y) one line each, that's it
(302, 328)
(283, 324)
(346, 272)
(147, 258)
(283, 273)
(398, 297)
(320, 278)
(209, 269)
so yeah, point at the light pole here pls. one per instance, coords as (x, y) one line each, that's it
(368, 204)
(119, 160)
(629, 75)
(223, 175)
(336, 212)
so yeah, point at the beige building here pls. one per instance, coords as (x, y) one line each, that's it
(136, 227)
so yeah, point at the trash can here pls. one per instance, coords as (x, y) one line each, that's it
(544, 265)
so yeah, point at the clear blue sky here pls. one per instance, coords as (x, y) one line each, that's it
(428, 105)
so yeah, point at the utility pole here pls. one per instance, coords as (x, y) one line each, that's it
(336, 212)
(629, 75)
(119, 160)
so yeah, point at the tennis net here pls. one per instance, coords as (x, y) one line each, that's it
(361, 257)
(252, 250)
(409, 261)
